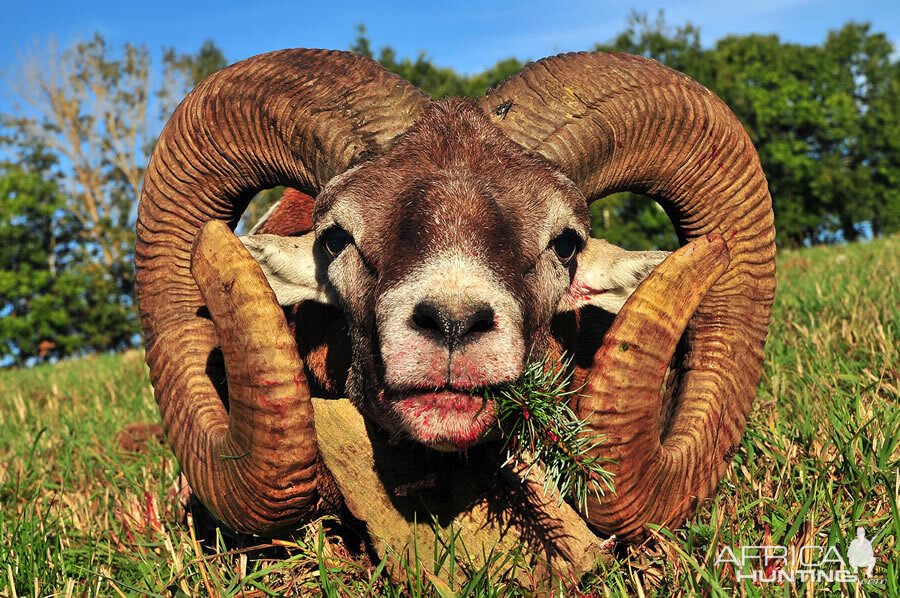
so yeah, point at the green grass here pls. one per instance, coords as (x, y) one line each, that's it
(80, 516)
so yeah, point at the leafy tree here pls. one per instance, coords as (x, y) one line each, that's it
(825, 120)
(70, 287)
(880, 145)
(870, 82)
(36, 242)
(87, 105)
(768, 85)
(632, 221)
(90, 109)
(818, 116)
(55, 298)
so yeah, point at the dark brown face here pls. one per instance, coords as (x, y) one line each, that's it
(450, 279)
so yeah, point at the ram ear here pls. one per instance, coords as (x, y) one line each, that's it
(607, 275)
(289, 265)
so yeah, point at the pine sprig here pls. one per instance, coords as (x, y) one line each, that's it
(534, 417)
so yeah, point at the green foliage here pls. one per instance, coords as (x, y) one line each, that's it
(806, 129)
(534, 417)
(33, 242)
(67, 234)
(55, 299)
(632, 221)
(825, 120)
(87, 110)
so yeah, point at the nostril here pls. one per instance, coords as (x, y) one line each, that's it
(428, 317)
(480, 321)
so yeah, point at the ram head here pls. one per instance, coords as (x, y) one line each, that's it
(448, 241)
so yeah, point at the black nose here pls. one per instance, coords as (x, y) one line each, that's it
(431, 318)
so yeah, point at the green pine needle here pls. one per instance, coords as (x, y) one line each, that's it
(534, 417)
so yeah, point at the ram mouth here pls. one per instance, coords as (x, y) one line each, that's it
(446, 419)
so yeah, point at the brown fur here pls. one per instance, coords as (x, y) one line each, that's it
(454, 163)
(291, 216)
(452, 205)
(321, 330)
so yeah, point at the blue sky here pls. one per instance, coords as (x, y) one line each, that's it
(468, 36)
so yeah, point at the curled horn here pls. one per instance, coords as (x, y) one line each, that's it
(296, 118)
(615, 122)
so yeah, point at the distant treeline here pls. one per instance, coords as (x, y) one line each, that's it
(825, 120)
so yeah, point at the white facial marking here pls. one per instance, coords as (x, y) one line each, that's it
(457, 281)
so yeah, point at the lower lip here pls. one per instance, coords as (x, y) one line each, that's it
(471, 416)
(445, 402)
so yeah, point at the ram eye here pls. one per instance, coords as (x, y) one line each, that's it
(565, 245)
(335, 239)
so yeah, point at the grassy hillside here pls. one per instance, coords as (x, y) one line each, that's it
(88, 510)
